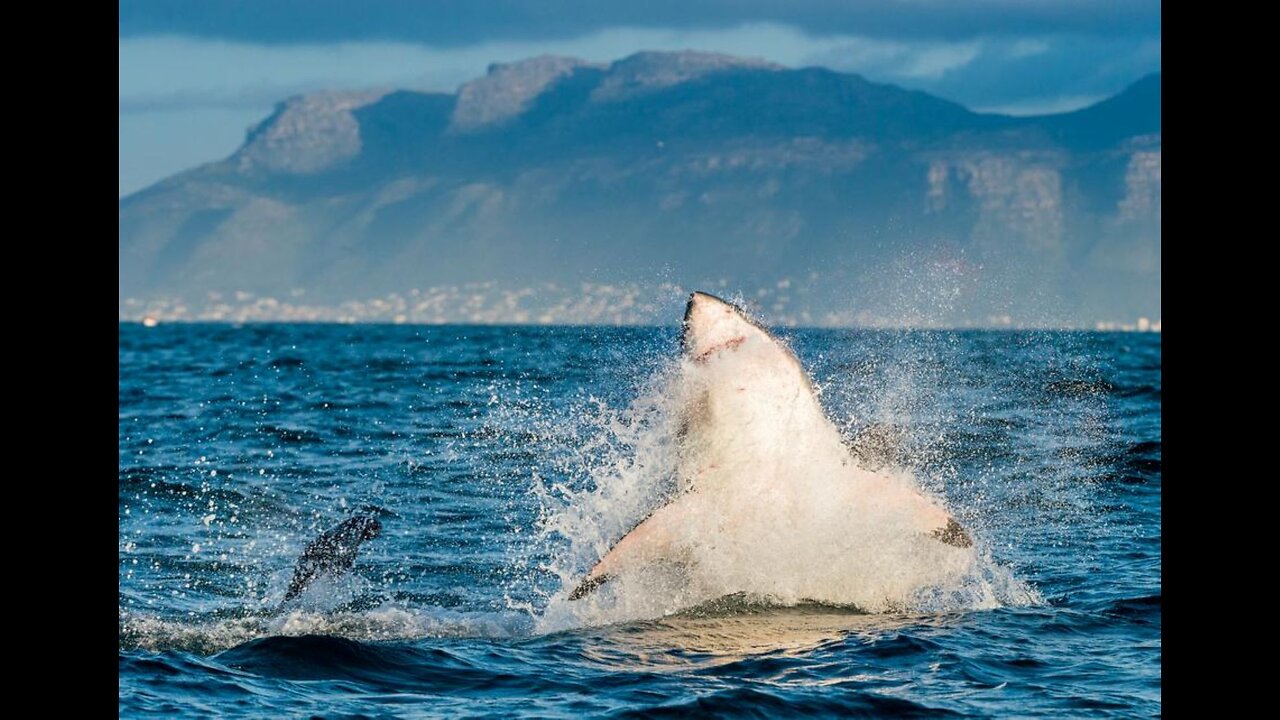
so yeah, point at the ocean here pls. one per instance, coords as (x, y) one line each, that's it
(502, 461)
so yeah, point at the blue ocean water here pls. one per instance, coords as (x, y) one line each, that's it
(240, 444)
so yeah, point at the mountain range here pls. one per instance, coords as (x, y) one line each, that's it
(819, 196)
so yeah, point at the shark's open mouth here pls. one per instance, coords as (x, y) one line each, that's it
(705, 355)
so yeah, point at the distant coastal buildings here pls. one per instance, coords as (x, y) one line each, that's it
(549, 304)
(1142, 325)
(474, 303)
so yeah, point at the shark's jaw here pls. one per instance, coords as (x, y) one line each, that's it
(751, 423)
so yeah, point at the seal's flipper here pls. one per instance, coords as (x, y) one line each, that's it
(333, 552)
(953, 534)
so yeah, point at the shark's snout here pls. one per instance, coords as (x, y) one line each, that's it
(711, 324)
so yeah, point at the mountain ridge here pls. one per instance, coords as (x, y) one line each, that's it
(671, 166)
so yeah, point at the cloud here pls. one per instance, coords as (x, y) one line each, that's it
(1043, 105)
(1029, 47)
(177, 72)
(165, 73)
(896, 59)
(477, 21)
(1030, 75)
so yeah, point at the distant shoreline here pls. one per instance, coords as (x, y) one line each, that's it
(639, 326)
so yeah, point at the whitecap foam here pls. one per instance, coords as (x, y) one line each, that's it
(211, 634)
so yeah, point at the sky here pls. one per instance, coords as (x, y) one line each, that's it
(196, 74)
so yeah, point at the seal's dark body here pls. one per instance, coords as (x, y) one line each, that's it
(333, 552)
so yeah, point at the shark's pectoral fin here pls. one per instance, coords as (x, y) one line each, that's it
(953, 534)
(650, 541)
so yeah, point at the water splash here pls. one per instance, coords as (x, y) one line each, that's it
(807, 531)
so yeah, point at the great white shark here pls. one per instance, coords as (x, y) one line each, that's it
(759, 463)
